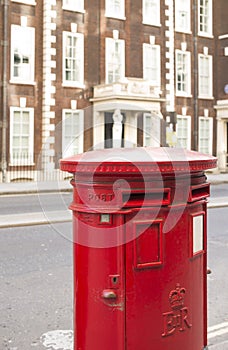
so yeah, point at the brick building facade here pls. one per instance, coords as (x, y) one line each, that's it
(221, 86)
(75, 72)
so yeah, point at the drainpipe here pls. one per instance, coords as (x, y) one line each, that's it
(4, 88)
(195, 95)
(99, 33)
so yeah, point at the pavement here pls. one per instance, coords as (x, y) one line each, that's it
(42, 217)
(10, 188)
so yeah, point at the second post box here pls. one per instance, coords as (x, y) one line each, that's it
(140, 249)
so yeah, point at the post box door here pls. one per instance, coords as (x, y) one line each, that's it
(165, 284)
(99, 283)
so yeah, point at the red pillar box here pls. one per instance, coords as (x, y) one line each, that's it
(140, 248)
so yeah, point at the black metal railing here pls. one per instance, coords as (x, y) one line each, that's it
(22, 166)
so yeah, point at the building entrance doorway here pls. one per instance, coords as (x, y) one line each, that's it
(108, 130)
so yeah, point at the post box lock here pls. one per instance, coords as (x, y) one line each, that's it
(109, 294)
(114, 282)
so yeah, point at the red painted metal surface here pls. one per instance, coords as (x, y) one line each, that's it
(140, 250)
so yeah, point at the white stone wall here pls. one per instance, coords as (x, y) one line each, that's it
(49, 80)
(170, 78)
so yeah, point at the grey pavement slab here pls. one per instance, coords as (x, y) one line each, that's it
(218, 202)
(34, 187)
(39, 218)
(216, 179)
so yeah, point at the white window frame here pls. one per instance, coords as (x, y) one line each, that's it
(151, 130)
(186, 69)
(77, 144)
(147, 130)
(205, 76)
(183, 14)
(147, 17)
(110, 9)
(74, 5)
(30, 134)
(110, 45)
(80, 51)
(18, 34)
(28, 2)
(205, 13)
(179, 132)
(155, 52)
(208, 137)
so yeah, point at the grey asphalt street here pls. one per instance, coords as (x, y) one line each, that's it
(31, 203)
(36, 285)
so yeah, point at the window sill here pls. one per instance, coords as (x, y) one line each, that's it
(151, 24)
(180, 30)
(183, 95)
(21, 82)
(73, 85)
(22, 164)
(111, 15)
(206, 35)
(33, 3)
(201, 97)
(72, 10)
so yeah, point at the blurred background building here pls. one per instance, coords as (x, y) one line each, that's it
(68, 66)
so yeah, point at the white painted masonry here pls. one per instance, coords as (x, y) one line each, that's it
(49, 90)
(170, 92)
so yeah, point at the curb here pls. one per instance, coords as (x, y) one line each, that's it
(32, 219)
(24, 188)
(24, 192)
(218, 202)
(60, 216)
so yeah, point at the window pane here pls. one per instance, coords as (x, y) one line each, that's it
(205, 76)
(151, 11)
(74, 5)
(114, 60)
(204, 16)
(74, 58)
(16, 142)
(72, 133)
(25, 129)
(115, 8)
(21, 141)
(183, 131)
(182, 72)
(25, 143)
(17, 117)
(22, 50)
(151, 64)
(205, 135)
(182, 12)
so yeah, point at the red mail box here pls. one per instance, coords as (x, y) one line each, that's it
(140, 248)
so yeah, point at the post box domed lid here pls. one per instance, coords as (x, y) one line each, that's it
(140, 159)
